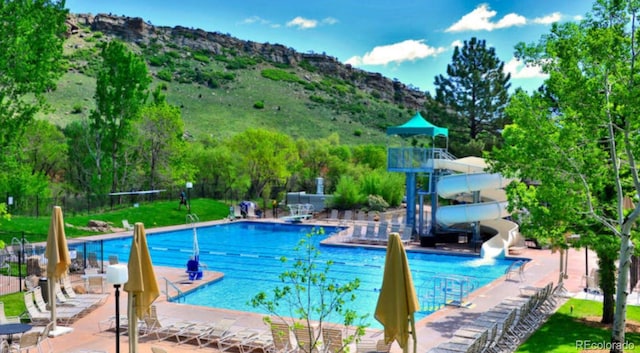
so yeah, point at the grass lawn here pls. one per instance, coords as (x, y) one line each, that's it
(156, 214)
(567, 328)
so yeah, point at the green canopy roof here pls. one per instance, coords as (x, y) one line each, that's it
(418, 126)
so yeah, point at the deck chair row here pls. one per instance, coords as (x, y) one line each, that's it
(226, 335)
(360, 216)
(503, 327)
(377, 233)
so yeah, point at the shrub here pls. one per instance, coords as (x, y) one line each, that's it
(259, 105)
(376, 203)
(347, 195)
(280, 75)
(165, 75)
(77, 108)
(357, 133)
(201, 57)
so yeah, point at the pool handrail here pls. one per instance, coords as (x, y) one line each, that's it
(167, 284)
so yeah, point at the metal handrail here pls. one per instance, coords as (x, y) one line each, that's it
(192, 218)
(167, 284)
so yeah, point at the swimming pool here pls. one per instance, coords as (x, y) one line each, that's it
(249, 254)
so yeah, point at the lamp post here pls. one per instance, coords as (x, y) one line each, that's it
(117, 275)
(189, 186)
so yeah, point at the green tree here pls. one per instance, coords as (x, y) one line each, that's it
(471, 99)
(44, 149)
(31, 37)
(577, 137)
(121, 91)
(309, 296)
(160, 137)
(264, 157)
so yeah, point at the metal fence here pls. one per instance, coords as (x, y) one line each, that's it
(38, 206)
(23, 264)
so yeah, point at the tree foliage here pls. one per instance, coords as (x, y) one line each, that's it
(309, 297)
(121, 91)
(31, 37)
(470, 101)
(577, 139)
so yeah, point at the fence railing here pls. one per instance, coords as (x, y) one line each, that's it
(21, 260)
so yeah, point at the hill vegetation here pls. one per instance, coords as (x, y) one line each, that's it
(224, 85)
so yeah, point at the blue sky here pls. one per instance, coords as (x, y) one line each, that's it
(408, 40)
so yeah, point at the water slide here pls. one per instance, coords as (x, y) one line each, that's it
(490, 213)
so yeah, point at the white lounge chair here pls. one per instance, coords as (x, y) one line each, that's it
(126, 225)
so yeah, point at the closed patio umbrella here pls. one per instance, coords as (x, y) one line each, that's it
(142, 285)
(397, 301)
(58, 259)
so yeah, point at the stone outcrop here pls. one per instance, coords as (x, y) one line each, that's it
(135, 29)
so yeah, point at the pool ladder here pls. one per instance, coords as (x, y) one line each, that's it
(192, 218)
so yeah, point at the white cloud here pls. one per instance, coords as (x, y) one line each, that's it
(254, 19)
(302, 23)
(549, 19)
(330, 21)
(518, 69)
(480, 19)
(407, 50)
(457, 43)
(511, 20)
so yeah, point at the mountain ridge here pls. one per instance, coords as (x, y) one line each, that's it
(136, 29)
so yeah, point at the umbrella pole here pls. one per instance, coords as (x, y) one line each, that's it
(133, 323)
(52, 302)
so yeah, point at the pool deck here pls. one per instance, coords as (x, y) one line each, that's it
(438, 327)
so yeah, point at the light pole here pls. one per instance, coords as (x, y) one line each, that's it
(117, 275)
(189, 186)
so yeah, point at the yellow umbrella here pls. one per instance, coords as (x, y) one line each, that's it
(397, 301)
(57, 254)
(142, 285)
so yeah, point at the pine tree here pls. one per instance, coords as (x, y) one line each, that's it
(471, 100)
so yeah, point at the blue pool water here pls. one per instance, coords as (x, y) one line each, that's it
(249, 254)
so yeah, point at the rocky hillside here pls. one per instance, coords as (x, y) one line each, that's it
(218, 79)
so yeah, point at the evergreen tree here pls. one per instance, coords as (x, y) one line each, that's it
(472, 99)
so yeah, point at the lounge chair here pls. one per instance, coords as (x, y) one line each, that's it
(4, 319)
(371, 234)
(67, 288)
(92, 258)
(360, 216)
(332, 340)
(262, 341)
(193, 332)
(28, 341)
(347, 217)
(34, 315)
(126, 225)
(368, 346)
(154, 326)
(383, 233)
(333, 217)
(306, 337)
(113, 259)
(219, 330)
(238, 340)
(281, 335)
